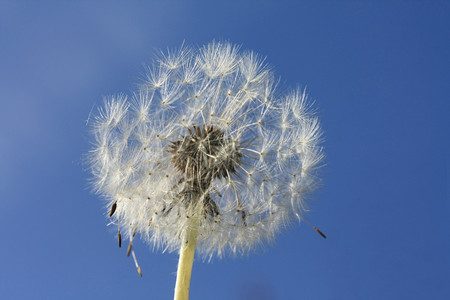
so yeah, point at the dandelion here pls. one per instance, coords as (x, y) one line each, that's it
(205, 155)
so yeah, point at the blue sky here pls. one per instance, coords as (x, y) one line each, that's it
(380, 74)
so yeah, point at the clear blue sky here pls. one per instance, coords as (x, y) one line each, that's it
(380, 74)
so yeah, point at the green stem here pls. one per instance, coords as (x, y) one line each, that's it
(186, 261)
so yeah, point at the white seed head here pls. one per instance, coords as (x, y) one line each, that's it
(206, 129)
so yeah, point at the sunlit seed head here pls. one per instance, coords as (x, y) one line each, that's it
(206, 129)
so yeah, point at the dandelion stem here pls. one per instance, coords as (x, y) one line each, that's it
(186, 260)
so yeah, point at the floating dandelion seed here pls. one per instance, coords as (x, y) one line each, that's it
(205, 155)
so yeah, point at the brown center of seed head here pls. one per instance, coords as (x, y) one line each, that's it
(202, 156)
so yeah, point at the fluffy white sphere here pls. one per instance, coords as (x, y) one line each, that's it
(206, 129)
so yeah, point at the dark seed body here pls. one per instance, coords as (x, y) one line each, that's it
(113, 208)
(130, 245)
(320, 232)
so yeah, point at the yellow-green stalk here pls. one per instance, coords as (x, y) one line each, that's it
(186, 260)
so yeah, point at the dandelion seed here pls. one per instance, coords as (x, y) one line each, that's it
(136, 263)
(320, 232)
(130, 246)
(205, 155)
(113, 209)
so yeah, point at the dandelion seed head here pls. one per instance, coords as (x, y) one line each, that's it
(206, 129)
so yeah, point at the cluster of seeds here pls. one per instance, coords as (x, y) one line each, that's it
(206, 134)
